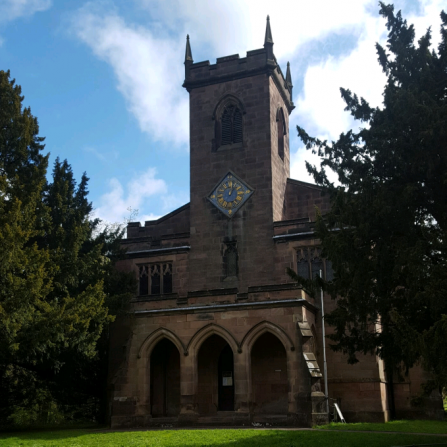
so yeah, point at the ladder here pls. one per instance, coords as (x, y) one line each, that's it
(340, 415)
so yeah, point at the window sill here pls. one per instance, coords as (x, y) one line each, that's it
(227, 147)
(165, 296)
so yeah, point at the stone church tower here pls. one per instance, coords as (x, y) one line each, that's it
(218, 333)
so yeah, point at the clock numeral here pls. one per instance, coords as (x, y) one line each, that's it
(230, 204)
(239, 198)
(224, 204)
(240, 192)
(220, 200)
(224, 185)
(219, 195)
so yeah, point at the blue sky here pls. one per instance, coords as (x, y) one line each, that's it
(104, 79)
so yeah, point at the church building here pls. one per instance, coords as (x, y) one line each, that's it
(218, 333)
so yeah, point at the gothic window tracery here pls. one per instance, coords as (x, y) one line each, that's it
(310, 262)
(155, 279)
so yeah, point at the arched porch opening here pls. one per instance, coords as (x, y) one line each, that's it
(215, 372)
(269, 375)
(165, 379)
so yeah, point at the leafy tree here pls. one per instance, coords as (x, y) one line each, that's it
(57, 279)
(386, 232)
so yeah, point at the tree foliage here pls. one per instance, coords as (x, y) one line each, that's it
(386, 232)
(56, 276)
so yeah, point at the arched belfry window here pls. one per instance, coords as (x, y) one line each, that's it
(231, 125)
(282, 131)
(228, 117)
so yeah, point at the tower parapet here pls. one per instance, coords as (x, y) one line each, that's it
(228, 68)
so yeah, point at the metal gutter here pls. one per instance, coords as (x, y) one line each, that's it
(287, 236)
(224, 307)
(159, 250)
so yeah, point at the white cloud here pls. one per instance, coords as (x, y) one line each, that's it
(174, 201)
(14, 9)
(147, 61)
(103, 157)
(320, 103)
(236, 26)
(117, 204)
(428, 17)
(145, 66)
(320, 108)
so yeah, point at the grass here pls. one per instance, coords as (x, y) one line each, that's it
(216, 438)
(437, 427)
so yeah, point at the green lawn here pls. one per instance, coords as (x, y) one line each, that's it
(217, 438)
(438, 427)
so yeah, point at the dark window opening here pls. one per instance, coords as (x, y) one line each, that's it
(310, 263)
(155, 279)
(303, 268)
(231, 125)
(303, 263)
(143, 277)
(281, 128)
(167, 278)
(317, 267)
(329, 271)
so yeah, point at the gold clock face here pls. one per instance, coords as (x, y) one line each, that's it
(230, 194)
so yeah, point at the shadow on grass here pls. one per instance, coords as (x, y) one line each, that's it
(216, 438)
(435, 427)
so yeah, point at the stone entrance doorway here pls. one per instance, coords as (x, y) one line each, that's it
(226, 380)
(165, 379)
(215, 366)
(269, 375)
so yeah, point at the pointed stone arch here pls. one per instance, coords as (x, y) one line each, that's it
(228, 123)
(261, 328)
(143, 365)
(225, 100)
(247, 344)
(151, 340)
(212, 329)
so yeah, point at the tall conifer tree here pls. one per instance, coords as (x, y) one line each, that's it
(56, 274)
(386, 233)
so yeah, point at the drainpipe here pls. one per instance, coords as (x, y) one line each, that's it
(326, 393)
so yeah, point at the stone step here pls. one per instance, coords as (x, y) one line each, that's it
(164, 421)
(273, 419)
(224, 418)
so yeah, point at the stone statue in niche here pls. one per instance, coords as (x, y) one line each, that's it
(230, 260)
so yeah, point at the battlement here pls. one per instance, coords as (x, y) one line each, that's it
(227, 65)
(232, 67)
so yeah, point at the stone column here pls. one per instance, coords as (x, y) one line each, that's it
(188, 389)
(241, 383)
